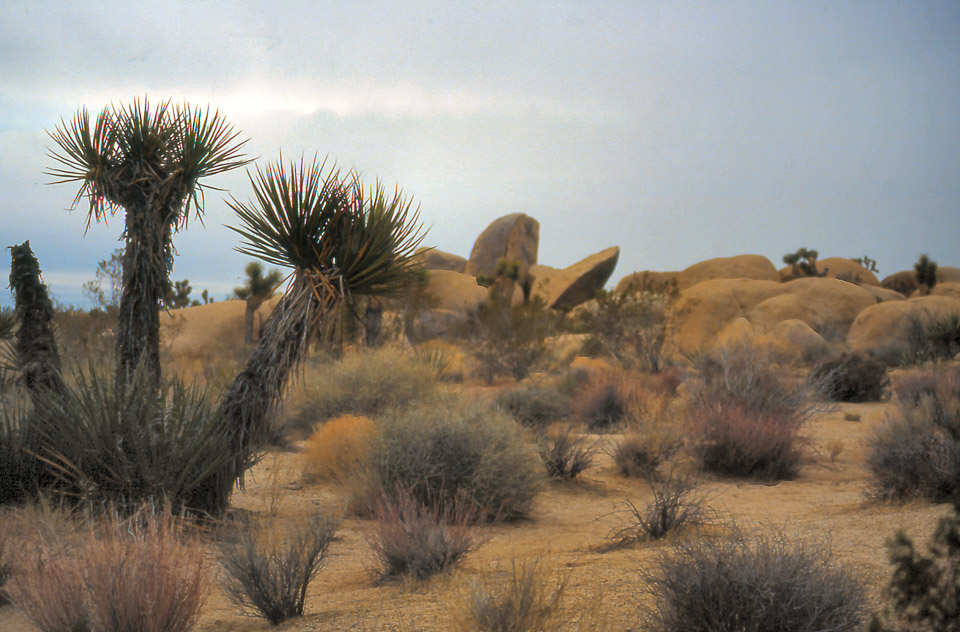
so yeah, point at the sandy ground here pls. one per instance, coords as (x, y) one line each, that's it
(569, 522)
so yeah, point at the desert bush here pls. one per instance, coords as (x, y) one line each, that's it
(732, 439)
(938, 339)
(269, 566)
(850, 377)
(508, 340)
(413, 539)
(916, 451)
(339, 449)
(605, 401)
(455, 450)
(364, 383)
(535, 406)
(566, 455)
(923, 593)
(527, 599)
(630, 327)
(734, 584)
(139, 574)
(127, 443)
(675, 505)
(640, 453)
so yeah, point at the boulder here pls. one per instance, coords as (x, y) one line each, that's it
(513, 237)
(755, 267)
(951, 288)
(882, 329)
(455, 291)
(883, 294)
(648, 281)
(904, 282)
(795, 339)
(948, 274)
(828, 306)
(434, 259)
(737, 331)
(847, 270)
(567, 288)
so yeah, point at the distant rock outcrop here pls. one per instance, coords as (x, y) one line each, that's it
(434, 259)
(882, 328)
(565, 289)
(846, 270)
(755, 267)
(513, 237)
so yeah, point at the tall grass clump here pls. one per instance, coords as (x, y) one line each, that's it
(605, 401)
(745, 416)
(928, 340)
(269, 567)
(366, 383)
(455, 450)
(566, 455)
(139, 574)
(535, 406)
(127, 443)
(916, 451)
(527, 598)
(413, 539)
(339, 450)
(674, 506)
(736, 583)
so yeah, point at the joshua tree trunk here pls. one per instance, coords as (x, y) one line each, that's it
(253, 304)
(373, 322)
(146, 264)
(36, 344)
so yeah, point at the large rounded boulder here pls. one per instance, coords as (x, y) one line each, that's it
(648, 281)
(846, 270)
(755, 267)
(883, 329)
(828, 306)
(513, 237)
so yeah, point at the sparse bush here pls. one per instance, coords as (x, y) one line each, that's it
(916, 452)
(365, 383)
(925, 588)
(510, 340)
(935, 340)
(535, 406)
(604, 403)
(455, 450)
(566, 455)
(269, 566)
(734, 584)
(850, 377)
(339, 449)
(128, 443)
(734, 440)
(639, 454)
(675, 505)
(629, 326)
(413, 539)
(527, 599)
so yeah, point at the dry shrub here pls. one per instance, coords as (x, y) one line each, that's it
(651, 439)
(454, 450)
(736, 584)
(527, 599)
(916, 451)
(535, 406)
(269, 566)
(605, 402)
(734, 440)
(365, 383)
(142, 574)
(850, 377)
(675, 505)
(412, 539)
(340, 449)
(565, 454)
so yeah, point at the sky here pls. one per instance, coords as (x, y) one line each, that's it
(678, 131)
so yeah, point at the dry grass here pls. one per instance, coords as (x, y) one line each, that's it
(339, 450)
(604, 403)
(566, 455)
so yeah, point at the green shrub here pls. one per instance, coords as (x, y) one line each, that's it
(535, 406)
(936, 340)
(926, 271)
(850, 377)
(453, 449)
(733, 584)
(367, 383)
(924, 591)
(125, 445)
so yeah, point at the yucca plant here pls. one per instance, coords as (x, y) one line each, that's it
(148, 162)
(339, 241)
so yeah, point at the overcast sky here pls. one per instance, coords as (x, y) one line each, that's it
(677, 131)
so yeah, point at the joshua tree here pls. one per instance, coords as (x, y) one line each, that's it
(257, 289)
(340, 242)
(148, 162)
(926, 273)
(803, 263)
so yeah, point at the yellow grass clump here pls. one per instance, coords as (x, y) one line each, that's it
(339, 449)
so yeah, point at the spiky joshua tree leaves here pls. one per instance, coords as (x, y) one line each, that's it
(148, 161)
(339, 241)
